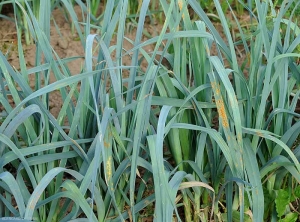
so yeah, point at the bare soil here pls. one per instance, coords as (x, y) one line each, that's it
(66, 44)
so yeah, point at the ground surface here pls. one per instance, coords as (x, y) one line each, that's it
(65, 44)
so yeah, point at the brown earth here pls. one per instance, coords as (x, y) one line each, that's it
(66, 44)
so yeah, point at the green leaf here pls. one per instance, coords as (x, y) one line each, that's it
(13, 219)
(297, 191)
(290, 217)
(281, 201)
(236, 217)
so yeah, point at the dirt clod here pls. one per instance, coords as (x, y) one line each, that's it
(63, 43)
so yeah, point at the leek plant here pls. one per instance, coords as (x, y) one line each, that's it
(191, 133)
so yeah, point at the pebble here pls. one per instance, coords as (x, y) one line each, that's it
(63, 43)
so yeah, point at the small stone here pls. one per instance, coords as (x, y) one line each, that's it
(63, 43)
(51, 104)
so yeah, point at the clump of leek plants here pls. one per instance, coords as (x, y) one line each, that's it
(194, 139)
